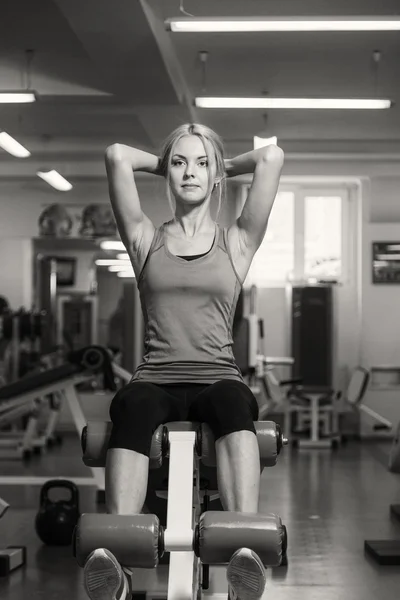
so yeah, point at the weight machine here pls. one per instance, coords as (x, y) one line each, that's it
(197, 540)
(62, 381)
(249, 351)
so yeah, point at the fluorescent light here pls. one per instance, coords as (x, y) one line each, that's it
(111, 245)
(126, 274)
(122, 267)
(12, 146)
(257, 24)
(259, 142)
(123, 256)
(17, 97)
(56, 180)
(108, 262)
(293, 103)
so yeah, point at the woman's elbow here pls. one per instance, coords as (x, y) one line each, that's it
(113, 153)
(273, 153)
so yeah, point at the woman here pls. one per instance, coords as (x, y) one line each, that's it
(189, 273)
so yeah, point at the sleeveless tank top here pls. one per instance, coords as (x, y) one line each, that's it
(188, 308)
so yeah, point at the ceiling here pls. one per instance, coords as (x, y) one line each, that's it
(108, 71)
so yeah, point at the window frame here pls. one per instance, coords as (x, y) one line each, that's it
(348, 223)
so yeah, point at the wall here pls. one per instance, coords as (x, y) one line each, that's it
(380, 342)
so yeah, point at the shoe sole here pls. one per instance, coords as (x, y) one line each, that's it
(102, 576)
(246, 575)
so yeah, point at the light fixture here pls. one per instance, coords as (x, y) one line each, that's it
(56, 180)
(126, 274)
(111, 245)
(108, 262)
(17, 97)
(259, 24)
(123, 256)
(294, 103)
(25, 95)
(12, 146)
(122, 267)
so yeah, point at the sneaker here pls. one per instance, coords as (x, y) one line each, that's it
(104, 578)
(246, 575)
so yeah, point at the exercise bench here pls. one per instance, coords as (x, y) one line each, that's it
(194, 536)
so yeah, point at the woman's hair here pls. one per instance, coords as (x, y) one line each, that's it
(206, 135)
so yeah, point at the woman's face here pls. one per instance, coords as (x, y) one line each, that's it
(190, 170)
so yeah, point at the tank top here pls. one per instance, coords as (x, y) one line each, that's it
(188, 308)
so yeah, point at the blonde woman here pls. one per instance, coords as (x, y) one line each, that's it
(189, 273)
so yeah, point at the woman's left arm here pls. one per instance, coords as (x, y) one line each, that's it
(266, 164)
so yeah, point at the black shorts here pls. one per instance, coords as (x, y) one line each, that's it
(139, 408)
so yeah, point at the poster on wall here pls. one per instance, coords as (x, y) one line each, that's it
(386, 262)
(76, 221)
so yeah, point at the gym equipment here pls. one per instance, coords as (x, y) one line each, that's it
(11, 558)
(196, 538)
(312, 334)
(4, 506)
(62, 380)
(56, 520)
(384, 552)
(311, 406)
(248, 346)
(309, 395)
(77, 314)
(22, 330)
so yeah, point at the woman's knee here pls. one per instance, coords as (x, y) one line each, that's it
(231, 407)
(136, 411)
(136, 401)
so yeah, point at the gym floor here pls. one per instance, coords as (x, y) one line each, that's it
(330, 502)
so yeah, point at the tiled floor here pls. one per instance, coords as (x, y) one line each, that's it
(330, 502)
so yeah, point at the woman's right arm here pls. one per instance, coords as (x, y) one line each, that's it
(121, 163)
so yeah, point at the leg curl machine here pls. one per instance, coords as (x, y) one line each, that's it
(195, 536)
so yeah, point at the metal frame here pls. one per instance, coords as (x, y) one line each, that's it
(66, 387)
(182, 578)
(314, 413)
(184, 567)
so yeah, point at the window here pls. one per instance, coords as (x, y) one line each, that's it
(323, 237)
(305, 239)
(274, 260)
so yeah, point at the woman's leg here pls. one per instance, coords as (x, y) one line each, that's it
(230, 409)
(136, 411)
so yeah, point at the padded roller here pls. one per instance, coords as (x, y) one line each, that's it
(94, 442)
(220, 534)
(95, 436)
(269, 439)
(135, 540)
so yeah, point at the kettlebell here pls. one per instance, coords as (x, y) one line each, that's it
(56, 520)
